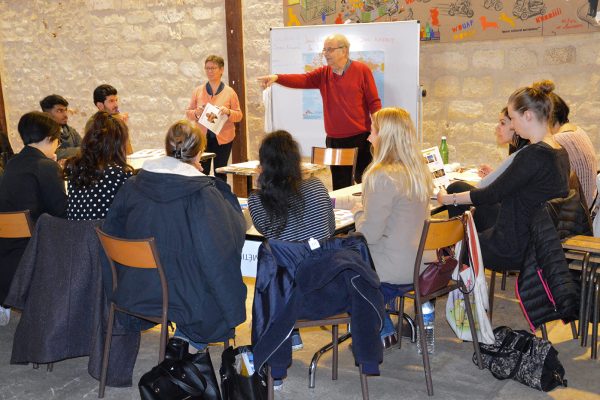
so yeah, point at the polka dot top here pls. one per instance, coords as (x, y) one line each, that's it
(93, 202)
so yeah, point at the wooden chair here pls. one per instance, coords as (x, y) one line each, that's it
(335, 157)
(132, 253)
(15, 225)
(438, 234)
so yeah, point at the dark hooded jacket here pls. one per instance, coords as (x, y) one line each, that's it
(199, 231)
(296, 282)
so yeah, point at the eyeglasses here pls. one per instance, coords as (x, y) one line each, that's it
(331, 49)
(211, 68)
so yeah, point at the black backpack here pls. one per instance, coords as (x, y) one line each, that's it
(521, 356)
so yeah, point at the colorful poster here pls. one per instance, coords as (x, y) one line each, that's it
(455, 20)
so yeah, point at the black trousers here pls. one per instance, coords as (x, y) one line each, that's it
(593, 8)
(222, 151)
(341, 177)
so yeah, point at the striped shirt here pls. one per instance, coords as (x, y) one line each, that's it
(311, 215)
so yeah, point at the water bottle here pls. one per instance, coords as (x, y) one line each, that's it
(444, 150)
(428, 320)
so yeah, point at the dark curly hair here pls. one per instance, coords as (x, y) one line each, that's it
(280, 177)
(103, 145)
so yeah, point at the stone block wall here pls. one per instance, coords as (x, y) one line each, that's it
(153, 52)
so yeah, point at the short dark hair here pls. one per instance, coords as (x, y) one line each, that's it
(215, 59)
(102, 92)
(49, 102)
(36, 126)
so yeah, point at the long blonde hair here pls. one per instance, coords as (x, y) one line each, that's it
(396, 153)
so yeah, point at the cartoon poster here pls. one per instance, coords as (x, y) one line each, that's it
(455, 20)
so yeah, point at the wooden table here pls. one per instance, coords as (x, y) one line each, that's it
(249, 169)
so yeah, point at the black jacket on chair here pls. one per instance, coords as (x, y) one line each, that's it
(294, 282)
(545, 287)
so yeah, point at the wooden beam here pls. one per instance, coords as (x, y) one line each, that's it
(235, 70)
(5, 148)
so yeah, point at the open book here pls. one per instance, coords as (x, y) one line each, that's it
(212, 118)
(436, 167)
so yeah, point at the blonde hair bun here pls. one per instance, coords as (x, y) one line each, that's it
(546, 86)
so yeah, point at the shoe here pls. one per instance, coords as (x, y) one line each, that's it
(4, 316)
(278, 384)
(389, 341)
(297, 341)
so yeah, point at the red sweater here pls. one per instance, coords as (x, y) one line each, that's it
(348, 99)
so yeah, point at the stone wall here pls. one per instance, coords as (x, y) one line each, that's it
(153, 52)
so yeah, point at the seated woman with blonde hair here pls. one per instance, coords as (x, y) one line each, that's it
(199, 231)
(397, 186)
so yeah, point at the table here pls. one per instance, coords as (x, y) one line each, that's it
(136, 160)
(249, 169)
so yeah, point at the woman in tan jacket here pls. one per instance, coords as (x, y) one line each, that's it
(396, 189)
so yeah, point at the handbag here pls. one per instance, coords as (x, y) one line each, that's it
(524, 357)
(234, 384)
(438, 273)
(181, 376)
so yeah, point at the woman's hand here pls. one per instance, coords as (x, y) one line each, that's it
(440, 196)
(267, 80)
(484, 170)
(224, 110)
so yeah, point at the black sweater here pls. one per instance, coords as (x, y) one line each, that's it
(537, 174)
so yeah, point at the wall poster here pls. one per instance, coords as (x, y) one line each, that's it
(455, 20)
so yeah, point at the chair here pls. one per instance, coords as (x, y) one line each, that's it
(335, 157)
(279, 310)
(437, 234)
(132, 253)
(15, 225)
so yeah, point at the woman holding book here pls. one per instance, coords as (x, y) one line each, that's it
(222, 96)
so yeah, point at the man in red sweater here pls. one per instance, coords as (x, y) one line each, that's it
(349, 98)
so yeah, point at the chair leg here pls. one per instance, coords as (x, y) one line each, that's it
(469, 311)
(164, 334)
(400, 307)
(49, 367)
(363, 385)
(334, 359)
(544, 332)
(588, 305)
(574, 330)
(35, 365)
(491, 294)
(425, 354)
(503, 283)
(585, 263)
(596, 319)
(270, 389)
(105, 355)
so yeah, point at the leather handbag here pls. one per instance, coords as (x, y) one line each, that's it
(181, 376)
(234, 385)
(437, 274)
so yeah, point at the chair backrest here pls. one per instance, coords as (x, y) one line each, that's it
(14, 225)
(133, 253)
(329, 156)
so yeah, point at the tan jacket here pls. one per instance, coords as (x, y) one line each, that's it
(392, 225)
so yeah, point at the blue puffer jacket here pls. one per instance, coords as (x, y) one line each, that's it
(294, 282)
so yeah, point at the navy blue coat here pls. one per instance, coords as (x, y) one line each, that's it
(294, 282)
(199, 231)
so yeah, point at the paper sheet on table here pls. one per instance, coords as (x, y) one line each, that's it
(147, 153)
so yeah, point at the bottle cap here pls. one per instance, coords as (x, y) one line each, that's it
(443, 137)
